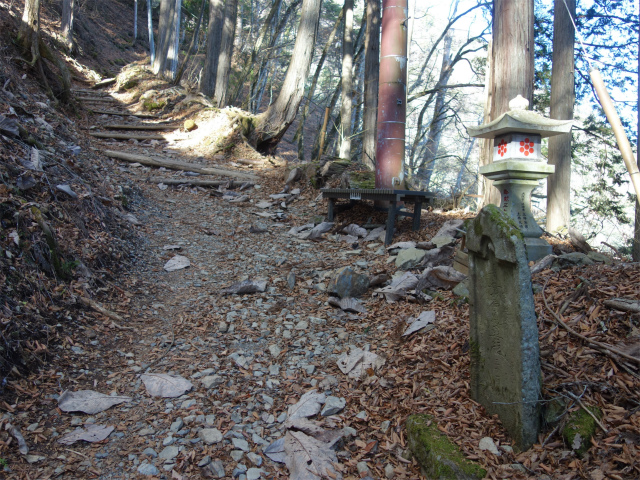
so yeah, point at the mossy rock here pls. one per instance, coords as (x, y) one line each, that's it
(190, 125)
(130, 76)
(334, 168)
(579, 430)
(438, 457)
(364, 179)
(553, 411)
(501, 220)
(131, 83)
(151, 105)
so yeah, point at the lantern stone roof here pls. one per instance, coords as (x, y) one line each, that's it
(520, 120)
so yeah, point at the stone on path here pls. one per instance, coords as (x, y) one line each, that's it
(332, 406)
(169, 453)
(210, 435)
(451, 228)
(505, 356)
(409, 258)
(347, 283)
(147, 469)
(214, 469)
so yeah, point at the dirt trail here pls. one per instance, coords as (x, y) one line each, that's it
(249, 357)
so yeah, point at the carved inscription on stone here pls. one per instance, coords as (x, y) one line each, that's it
(505, 363)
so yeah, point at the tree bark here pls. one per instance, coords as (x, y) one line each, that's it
(562, 101)
(371, 75)
(66, 25)
(166, 59)
(135, 20)
(512, 53)
(214, 37)
(226, 52)
(273, 123)
(635, 253)
(299, 135)
(392, 107)
(435, 127)
(152, 47)
(347, 81)
(29, 32)
(322, 132)
(512, 62)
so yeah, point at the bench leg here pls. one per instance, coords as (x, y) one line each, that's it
(391, 220)
(417, 210)
(330, 211)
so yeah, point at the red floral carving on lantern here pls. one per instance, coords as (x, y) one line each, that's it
(502, 147)
(526, 147)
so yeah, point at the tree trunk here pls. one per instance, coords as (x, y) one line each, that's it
(299, 135)
(273, 124)
(512, 53)
(29, 32)
(135, 20)
(347, 81)
(435, 127)
(512, 61)
(152, 47)
(166, 58)
(164, 20)
(562, 101)
(174, 46)
(226, 52)
(214, 37)
(392, 107)
(66, 24)
(636, 235)
(371, 76)
(322, 132)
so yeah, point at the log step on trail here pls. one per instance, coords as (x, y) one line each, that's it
(98, 100)
(104, 83)
(141, 127)
(127, 136)
(125, 114)
(178, 165)
(196, 182)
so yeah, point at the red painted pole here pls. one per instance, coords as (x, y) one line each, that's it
(392, 108)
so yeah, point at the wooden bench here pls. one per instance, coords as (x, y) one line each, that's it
(383, 195)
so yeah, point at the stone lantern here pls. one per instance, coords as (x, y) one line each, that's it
(518, 165)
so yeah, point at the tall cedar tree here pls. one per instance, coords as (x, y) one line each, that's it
(226, 51)
(152, 47)
(512, 61)
(562, 101)
(272, 124)
(214, 36)
(371, 76)
(66, 23)
(166, 59)
(299, 136)
(392, 96)
(347, 81)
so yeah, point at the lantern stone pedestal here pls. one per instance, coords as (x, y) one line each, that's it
(518, 165)
(516, 180)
